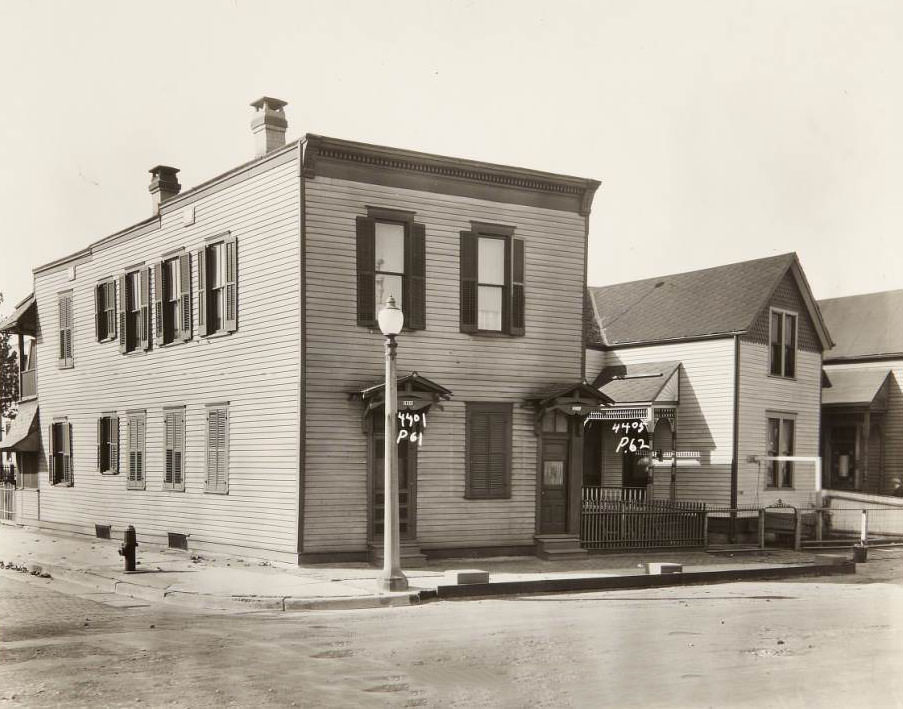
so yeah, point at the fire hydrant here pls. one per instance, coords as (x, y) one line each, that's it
(127, 550)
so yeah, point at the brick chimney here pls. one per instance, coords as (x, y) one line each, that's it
(268, 125)
(164, 185)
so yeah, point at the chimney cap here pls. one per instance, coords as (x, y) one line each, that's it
(265, 102)
(163, 170)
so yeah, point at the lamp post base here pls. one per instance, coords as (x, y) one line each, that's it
(396, 582)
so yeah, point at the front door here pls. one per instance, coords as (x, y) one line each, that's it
(633, 470)
(407, 483)
(554, 486)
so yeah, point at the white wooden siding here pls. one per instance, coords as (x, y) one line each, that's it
(475, 368)
(704, 417)
(256, 370)
(761, 393)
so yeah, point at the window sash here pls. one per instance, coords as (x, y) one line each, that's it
(781, 441)
(490, 307)
(782, 342)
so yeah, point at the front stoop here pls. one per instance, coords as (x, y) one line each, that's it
(410, 553)
(559, 547)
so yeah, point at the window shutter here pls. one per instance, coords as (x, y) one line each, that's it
(123, 298)
(69, 318)
(52, 448)
(211, 448)
(366, 268)
(110, 308)
(133, 463)
(178, 446)
(159, 288)
(100, 445)
(144, 315)
(517, 326)
(114, 444)
(184, 324)
(414, 291)
(468, 274)
(222, 458)
(488, 459)
(230, 247)
(67, 454)
(202, 291)
(100, 317)
(168, 467)
(141, 424)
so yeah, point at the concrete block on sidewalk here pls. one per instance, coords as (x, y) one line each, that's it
(656, 568)
(468, 576)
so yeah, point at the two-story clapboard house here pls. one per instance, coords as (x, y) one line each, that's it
(723, 367)
(213, 373)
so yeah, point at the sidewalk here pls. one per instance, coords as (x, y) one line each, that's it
(217, 581)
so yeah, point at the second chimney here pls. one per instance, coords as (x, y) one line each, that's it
(268, 125)
(164, 185)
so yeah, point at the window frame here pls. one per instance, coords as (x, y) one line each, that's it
(405, 245)
(513, 290)
(505, 286)
(782, 364)
(65, 329)
(779, 470)
(110, 445)
(138, 419)
(207, 292)
(178, 413)
(472, 409)
(66, 476)
(221, 409)
(105, 310)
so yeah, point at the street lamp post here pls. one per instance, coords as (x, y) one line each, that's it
(391, 320)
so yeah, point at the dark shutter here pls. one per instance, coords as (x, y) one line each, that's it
(468, 272)
(114, 444)
(51, 444)
(67, 454)
(100, 445)
(99, 314)
(184, 324)
(110, 305)
(168, 450)
(488, 459)
(178, 450)
(230, 249)
(518, 257)
(366, 268)
(123, 303)
(203, 316)
(414, 290)
(144, 325)
(159, 289)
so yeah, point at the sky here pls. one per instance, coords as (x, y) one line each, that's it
(721, 130)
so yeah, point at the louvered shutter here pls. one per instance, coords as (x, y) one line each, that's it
(51, 463)
(468, 275)
(69, 324)
(184, 324)
(230, 296)
(110, 308)
(414, 291)
(144, 313)
(67, 454)
(100, 316)
(366, 272)
(488, 451)
(132, 445)
(61, 314)
(140, 426)
(178, 448)
(203, 315)
(169, 448)
(222, 459)
(122, 305)
(518, 258)
(100, 445)
(159, 290)
(211, 448)
(114, 444)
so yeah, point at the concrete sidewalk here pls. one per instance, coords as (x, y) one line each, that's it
(228, 582)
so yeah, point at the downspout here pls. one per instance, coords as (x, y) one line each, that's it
(302, 342)
(735, 459)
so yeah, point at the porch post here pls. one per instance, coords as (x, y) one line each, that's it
(672, 490)
(575, 475)
(866, 434)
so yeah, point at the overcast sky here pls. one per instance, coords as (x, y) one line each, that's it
(721, 130)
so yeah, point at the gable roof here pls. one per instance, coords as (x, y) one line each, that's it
(711, 302)
(867, 325)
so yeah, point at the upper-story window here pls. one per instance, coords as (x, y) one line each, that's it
(64, 309)
(105, 310)
(172, 307)
(134, 310)
(60, 459)
(492, 280)
(217, 287)
(391, 261)
(782, 343)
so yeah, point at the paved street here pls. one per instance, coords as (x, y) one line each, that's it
(781, 644)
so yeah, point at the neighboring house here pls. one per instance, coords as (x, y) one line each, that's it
(723, 365)
(862, 411)
(212, 374)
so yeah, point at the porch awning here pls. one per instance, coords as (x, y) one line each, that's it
(23, 436)
(24, 319)
(654, 382)
(373, 394)
(577, 391)
(857, 388)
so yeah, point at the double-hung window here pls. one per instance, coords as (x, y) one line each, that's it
(218, 287)
(492, 272)
(64, 309)
(108, 444)
(137, 426)
(174, 449)
(782, 343)
(391, 261)
(105, 310)
(134, 310)
(172, 299)
(217, 449)
(488, 450)
(60, 462)
(780, 443)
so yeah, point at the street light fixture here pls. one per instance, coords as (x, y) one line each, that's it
(391, 321)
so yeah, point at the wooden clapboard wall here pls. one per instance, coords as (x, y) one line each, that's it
(256, 369)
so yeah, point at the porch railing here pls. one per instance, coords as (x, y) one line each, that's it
(609, 493)
(28, 384)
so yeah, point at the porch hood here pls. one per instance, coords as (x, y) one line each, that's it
(23, 434)
(652, 382)
(857, 388)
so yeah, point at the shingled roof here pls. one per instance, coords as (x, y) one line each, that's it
(868, 325)
(723, 300)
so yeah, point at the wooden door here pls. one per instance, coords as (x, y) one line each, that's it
(554, 486)
(407, 484)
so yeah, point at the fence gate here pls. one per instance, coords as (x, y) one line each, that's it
(7, 501)
(614, 521)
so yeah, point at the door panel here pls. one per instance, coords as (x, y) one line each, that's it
(554, 486)
(407, 477)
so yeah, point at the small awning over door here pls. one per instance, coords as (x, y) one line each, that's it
(23, 436)
(415, 392)
(24, 319)
(857, 388)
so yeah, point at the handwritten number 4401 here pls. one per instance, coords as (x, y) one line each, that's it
(407, 421)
